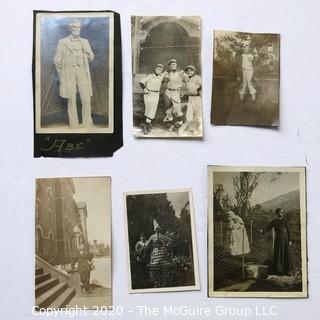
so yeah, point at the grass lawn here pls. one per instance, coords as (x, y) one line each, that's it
(228, 109)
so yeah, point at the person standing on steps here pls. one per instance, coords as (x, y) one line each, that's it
(85, 265)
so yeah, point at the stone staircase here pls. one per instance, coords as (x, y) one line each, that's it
(50, 292)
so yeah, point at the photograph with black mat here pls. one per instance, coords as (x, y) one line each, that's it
(246, 79)
(77, 83)
(257, 232)
(75, 90)
(161, 241)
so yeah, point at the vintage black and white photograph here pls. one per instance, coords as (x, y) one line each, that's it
(73, 243)
(257, 232)
(161, 241)
(246, 79)
(167, 85)
(74, 72)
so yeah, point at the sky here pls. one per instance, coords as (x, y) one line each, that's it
(178, 200)
(94, 192)
(269, 186)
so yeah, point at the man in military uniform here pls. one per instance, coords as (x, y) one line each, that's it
(71, 60)
(172, 95)
(151, 84)
(245, 70)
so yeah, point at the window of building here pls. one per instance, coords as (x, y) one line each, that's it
(39, 241)
(50, 217)
(51, 243)
(49, 193)
(38, 208)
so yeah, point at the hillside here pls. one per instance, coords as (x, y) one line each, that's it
(288, 201)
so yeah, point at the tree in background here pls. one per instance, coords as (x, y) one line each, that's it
(143, 209)
(184, 230)
(244, 185)
(218, 194)
(223, 202)
(229, 46)
(227, 202)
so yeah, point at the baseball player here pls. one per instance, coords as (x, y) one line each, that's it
(193, 86)
(246, 70)
(151, 85)
(172, 95)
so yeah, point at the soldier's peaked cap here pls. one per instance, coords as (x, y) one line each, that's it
(172, 61)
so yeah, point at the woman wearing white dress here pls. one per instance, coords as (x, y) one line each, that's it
(236, 235)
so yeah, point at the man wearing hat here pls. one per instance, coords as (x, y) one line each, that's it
(71, 60)
(151, 85)
(172, 95)
(245, 70)
(193, 86)
(85, 265)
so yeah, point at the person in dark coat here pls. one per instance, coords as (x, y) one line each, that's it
(84, 260)
(142, 257)
(282, 260)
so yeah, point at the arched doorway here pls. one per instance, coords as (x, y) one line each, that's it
(165, 41)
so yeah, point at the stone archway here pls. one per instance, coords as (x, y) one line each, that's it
(165, 41)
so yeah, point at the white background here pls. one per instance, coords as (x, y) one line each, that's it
(161, 164)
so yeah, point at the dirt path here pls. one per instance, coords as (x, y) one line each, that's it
(272, 283)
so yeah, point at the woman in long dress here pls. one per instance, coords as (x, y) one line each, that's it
(160, 259)
(236, 237)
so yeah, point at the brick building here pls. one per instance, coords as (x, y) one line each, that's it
(60, 222)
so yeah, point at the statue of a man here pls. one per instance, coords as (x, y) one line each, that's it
(71, 60)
